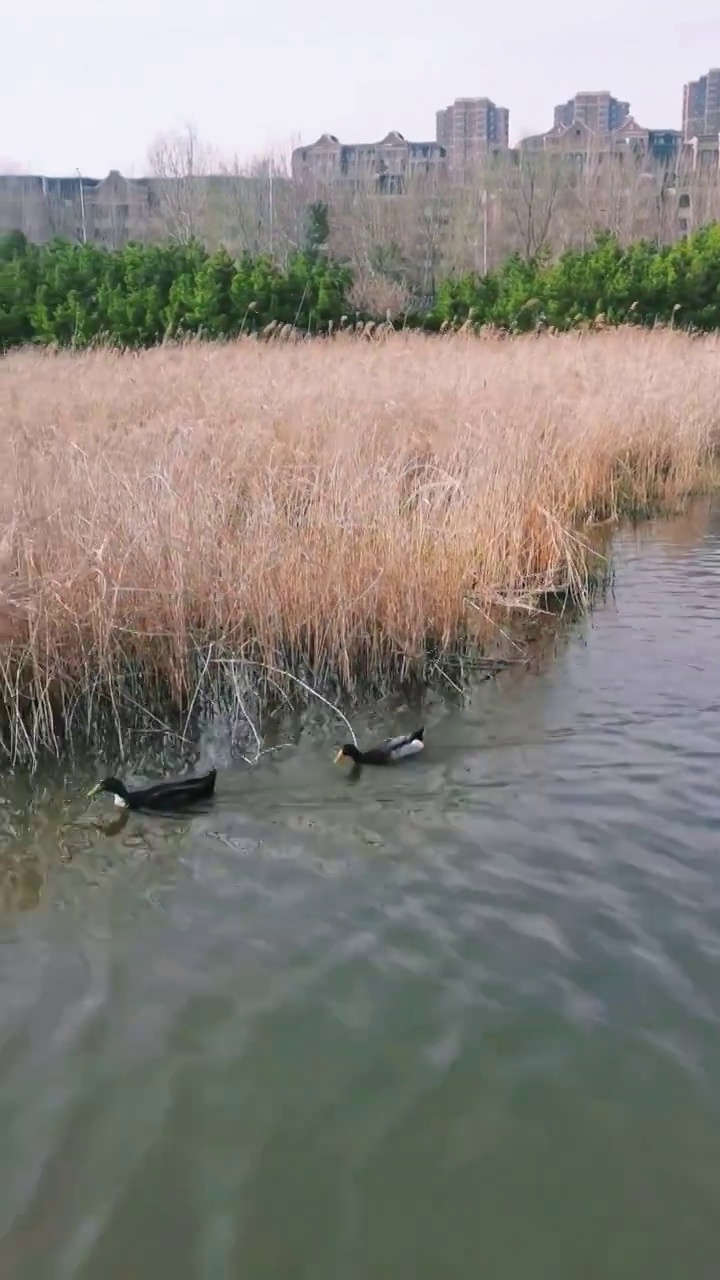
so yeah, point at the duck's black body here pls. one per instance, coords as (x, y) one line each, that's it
(407, 744)
(178, 794)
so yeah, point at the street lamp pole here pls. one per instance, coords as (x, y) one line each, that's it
(82, 206)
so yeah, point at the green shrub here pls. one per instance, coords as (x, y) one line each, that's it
(71, 294)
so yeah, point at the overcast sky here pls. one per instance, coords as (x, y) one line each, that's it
(87, 86)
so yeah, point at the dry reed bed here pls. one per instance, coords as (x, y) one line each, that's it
(338, 504)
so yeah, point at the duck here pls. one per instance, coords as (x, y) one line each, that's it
(178, 793)
(406, 744)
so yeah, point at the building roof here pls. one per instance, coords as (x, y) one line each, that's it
(392, 139)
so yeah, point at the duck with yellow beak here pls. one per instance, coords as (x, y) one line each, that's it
(392, 749)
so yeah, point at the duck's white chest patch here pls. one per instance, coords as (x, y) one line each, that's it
(121, 804)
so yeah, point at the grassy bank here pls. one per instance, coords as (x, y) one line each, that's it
(337, 509)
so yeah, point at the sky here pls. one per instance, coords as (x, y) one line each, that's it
(89, 88)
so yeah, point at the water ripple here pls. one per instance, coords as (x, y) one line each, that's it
(338, 1029)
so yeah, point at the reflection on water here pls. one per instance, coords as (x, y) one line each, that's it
(455, 1018)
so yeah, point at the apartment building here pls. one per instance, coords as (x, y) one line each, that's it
(578, 141)
(701, 106)
(597, 124)
(113, 210)
(598, 110)
(387, 165)
(470, 130)
(108, 211)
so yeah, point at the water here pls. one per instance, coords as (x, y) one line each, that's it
(457, 1019)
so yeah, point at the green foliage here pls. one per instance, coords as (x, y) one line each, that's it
(13, 244)
(644, 283)
(70, 294)
(317, 230)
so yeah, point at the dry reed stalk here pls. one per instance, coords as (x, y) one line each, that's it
(329, 507)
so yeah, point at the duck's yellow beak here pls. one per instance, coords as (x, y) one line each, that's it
(338, 757)
(94, 791)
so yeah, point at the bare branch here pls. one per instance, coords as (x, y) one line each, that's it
(180, 166)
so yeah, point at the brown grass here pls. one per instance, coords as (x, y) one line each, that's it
(330, 507)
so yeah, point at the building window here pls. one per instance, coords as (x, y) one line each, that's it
(684, 201)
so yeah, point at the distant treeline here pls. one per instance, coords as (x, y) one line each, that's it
(70, 294)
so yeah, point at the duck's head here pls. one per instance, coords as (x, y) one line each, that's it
(114, 787)
(349, 750)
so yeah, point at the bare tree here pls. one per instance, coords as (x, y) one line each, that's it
(393, 239)
(260, 209)
(180, 166)
(529, 189)
(427, 227)
(697, 198)
(476, 235)
(591, 201)
(402, 237)
(366, 226)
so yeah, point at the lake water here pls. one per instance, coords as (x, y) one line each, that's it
(457, 1019)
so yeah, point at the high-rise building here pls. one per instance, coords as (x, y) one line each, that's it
(701, 106)
(599, 111)
(470, 130)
